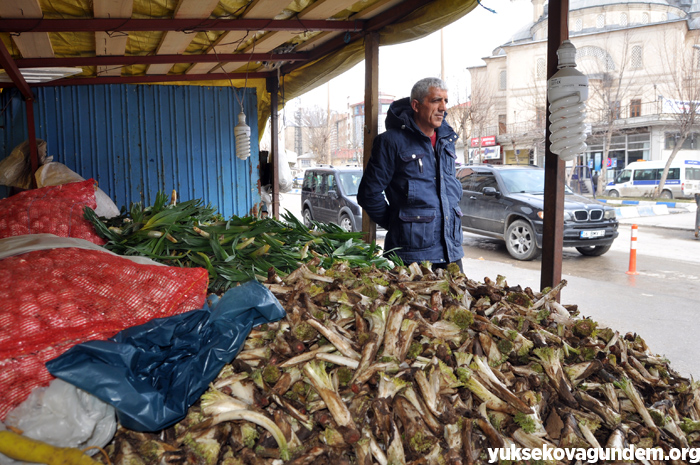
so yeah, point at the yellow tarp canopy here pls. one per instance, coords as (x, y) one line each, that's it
(420, 23)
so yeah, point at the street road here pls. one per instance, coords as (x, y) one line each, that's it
(661, 303)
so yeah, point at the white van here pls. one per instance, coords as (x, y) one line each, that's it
(640, 178)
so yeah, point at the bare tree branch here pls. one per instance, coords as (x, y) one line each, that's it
(682, 64)
(318, 132)
(611, 81)
(481, 105)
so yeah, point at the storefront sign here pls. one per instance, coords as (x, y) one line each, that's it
(485, 153)
(680, 106)
(486, 141)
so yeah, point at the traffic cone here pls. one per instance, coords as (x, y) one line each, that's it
(633, 251)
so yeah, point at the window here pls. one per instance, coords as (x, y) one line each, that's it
(502, 81)
(600, 21)
(635, 108)
(623, 19)
(624, 176)
(637, 57)
(466, 177)
(645, 18)
(502, 124)
(578, 27)
(483, 180)
(638, 147)
(541, 68)
(690, 143)
(330, 184)
(644, 175)
(692, 174)
(673, 173)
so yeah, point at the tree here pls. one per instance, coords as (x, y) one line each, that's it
(611, 81)
(481, 105)
(458, 117)
(458, 114)
(683, 65)
(532, 110)
(317, 130)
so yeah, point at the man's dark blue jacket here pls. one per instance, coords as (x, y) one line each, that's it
(422, 217)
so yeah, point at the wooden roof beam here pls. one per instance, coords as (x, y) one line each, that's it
(320, 10)
(176, 42)
(14, 73)
(230, 42)
(145, 79)
(107, 44)
(128, 60)
(389, 16)
(32, 44)
(23, 25)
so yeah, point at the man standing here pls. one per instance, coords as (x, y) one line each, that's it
(409, 185)
(594, 182)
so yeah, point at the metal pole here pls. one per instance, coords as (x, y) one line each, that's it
(33, 152)
(552, 234)
(697, 215)
(273, 89)
(371, 128)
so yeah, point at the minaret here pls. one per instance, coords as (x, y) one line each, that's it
(537, 10)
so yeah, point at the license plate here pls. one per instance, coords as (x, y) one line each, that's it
(590, 234)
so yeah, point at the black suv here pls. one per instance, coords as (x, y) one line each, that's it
(329, 195)
(507, 202)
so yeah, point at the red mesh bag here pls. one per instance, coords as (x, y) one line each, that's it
(55, 299)
(54, 209)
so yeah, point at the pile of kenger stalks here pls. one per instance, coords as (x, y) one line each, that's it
(414, 366)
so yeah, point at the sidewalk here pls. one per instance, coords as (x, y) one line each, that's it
(683, 220)
(658, 214)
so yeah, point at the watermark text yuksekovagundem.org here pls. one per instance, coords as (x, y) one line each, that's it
(592, 455)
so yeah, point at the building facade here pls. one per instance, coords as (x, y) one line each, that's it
(345, 135)
(642, 60)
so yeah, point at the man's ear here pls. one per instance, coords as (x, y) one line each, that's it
(414, 104)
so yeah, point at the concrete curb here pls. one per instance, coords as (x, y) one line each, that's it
(638, 208)
(642, 210)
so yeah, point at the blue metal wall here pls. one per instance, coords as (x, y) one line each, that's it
(137, 140)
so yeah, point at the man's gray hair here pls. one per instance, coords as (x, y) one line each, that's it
(422, 88)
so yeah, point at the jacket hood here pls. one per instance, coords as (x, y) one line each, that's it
(401, 114)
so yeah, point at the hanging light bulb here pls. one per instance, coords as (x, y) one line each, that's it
(242, 135)
(567, 91)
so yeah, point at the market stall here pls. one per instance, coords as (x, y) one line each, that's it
(244, 339)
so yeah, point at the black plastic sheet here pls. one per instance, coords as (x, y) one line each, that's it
(153, 373)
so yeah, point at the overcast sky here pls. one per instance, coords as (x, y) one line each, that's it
(466, 42)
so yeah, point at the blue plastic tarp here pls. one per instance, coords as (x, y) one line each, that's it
(153, 373)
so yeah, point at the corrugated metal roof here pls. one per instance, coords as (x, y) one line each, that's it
(137, 140)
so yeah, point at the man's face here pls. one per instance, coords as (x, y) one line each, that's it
(430, 112)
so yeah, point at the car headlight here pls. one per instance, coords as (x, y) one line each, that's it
(568, 216)
(609, 214)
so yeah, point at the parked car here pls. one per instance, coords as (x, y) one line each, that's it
(507, 202)
(329, 195)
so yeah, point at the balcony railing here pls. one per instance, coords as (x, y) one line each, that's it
(595, 117)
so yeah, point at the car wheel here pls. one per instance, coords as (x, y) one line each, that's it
(666, 194)
(520, 241)
(307, 218)
(346, 223)
(593, 250)
(613, 193)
